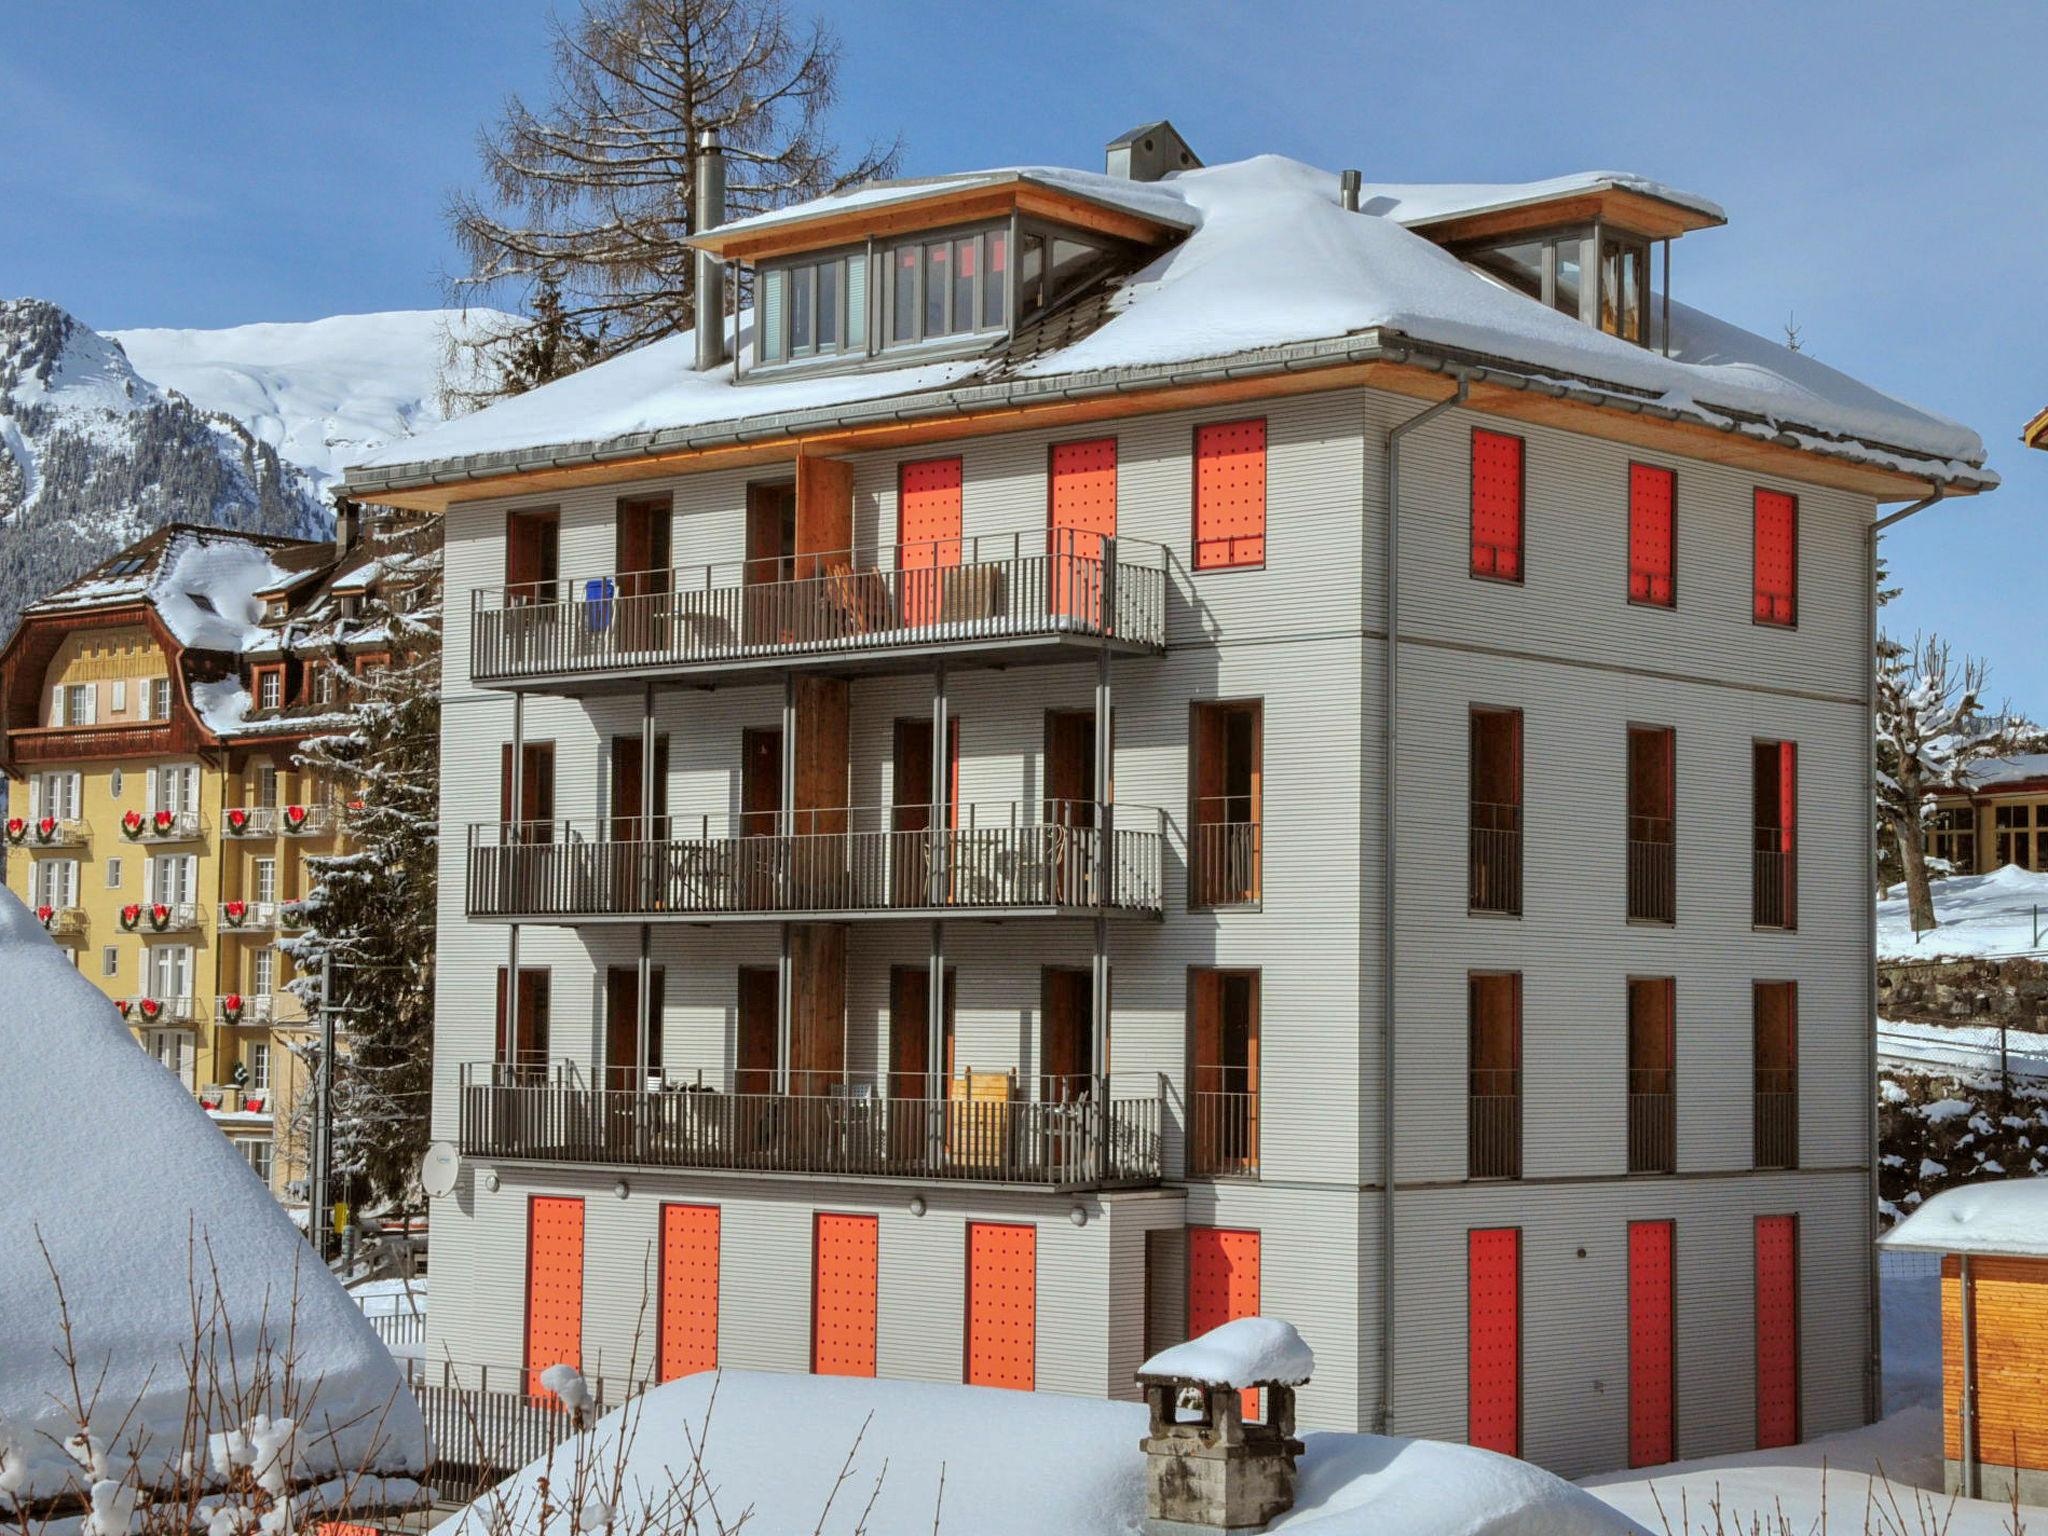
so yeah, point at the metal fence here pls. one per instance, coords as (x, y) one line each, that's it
(1223, 1135)
(486, 1422)
(1495, 857)
(1777, 1119)
(1652, 871)
(1652, 1123)
(1226, 857)
(1776, 900)
(1494, 1124)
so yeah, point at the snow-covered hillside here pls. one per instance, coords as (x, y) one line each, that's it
(323, 393)
(2002, 913)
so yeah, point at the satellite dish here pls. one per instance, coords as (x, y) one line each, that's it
(439, 1169)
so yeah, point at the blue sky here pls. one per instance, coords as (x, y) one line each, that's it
(212, 163)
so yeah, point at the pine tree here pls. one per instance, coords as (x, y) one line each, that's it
(586, 203)
(370, 910)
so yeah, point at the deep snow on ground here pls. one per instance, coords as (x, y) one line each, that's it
(1978, 914)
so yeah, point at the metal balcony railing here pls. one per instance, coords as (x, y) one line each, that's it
(241, 916)
(1226, 871)
(1652, 1122)
(1776, 876)
(1652, 870)
(148, 1009)
(154, 917)
(250, 821)
(314, 820)
(161, 826)
(63, 922)
(48, 831)
(954, 594)
(228, 1099)
(1495, 858)
(1777, 1118)
(1005, 857)
(256, 1007)
(1223, 1135)
(852, 1130)
(1494, 1124)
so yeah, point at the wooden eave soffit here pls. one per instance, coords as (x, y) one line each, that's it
(1650, 217)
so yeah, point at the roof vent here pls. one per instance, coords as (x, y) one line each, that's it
(1149, 153)
(1348, 183)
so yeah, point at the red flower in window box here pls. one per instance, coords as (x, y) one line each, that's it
(46, 829)
(295, 815)
(44, 914)
(17, 829)
(238, 820)
(355, 805)
(231, 1007)
(123, 1007)
(131, 823)
(131, 915)
(159, 916)
(163, 821)
(209, 1103)
(150, 1007)
(253, 1106)
(237, 912)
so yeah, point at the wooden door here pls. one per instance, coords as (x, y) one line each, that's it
(622, 1067)
(528, 1053)
(758, 1029)
(1224, 1061)
(910, 1057)
(645, 579)
(636, 862)
(532, 556)
(688, 1322)
(769, 605)
(756, 888)
(536, 788)
(1066, 1041)
(1072, 803)
(910, 812)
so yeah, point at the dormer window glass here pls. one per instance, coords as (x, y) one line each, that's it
(951, 287)
(1553, 267)
(814, 308)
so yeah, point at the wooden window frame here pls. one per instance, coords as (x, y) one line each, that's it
(1197, 710)
(1191, 1063)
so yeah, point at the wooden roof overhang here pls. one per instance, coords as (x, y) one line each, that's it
(1399, 367)
(1654, 218)
(937, 207)
(2036, 433)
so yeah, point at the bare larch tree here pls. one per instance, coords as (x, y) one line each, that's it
(585, 205)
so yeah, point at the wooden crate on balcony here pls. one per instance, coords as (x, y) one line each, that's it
(980, 1125)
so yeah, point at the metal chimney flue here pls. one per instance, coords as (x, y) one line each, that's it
(707, 211)
(1348, 183)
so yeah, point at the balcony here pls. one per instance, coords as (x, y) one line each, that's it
(1009, 598)
(257, 1008)
(48, 832)
(1777, 1118)
(307, 820)
(1226, 859)
(154, 917)
(62, 922)
(31, 746)
(228, 1099)
(255, 822)
(1223, 1135)
(248, 917)
(1774, 878)
(163, 826)
(1494, 1124)
(1495, 859)
(1652, 1122)
(852, 1132)
(144, 1009)
(1652, 870)
(1000, 859)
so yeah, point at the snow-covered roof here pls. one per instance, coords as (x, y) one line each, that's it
(2008, 1217)
(115, 1212)
(1012, 1464)
(1990, 772)
(203, 582)
(1274, 276)
(1245, 1352)
(1427, 202)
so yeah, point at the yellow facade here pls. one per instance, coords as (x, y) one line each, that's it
(170, 879)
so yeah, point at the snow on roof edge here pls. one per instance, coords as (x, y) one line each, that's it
(2001, 1218)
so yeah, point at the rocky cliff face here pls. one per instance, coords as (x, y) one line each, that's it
(93, 456)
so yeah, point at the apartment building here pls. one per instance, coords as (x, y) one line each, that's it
(1167, 744)
(159, 823)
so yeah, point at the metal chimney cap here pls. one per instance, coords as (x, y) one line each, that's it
(707, 138)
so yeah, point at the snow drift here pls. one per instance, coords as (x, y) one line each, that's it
(143, 1204)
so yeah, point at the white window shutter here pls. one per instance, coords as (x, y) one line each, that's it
(152, 789)
(57, 705)
(120, 699)
(92, 703)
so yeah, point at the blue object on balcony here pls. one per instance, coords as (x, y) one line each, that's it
(597, 603)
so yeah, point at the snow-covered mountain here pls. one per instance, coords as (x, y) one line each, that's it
(93, 456)
(322, 393)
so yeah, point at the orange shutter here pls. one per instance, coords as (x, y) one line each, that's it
(554, 1288)
(1230, 494)
(928, 513)
(1223, 1284)
(1777, 558)
(1083, 509)
(689, 1290)
(844, 1267)
(1496, 505)
(1652, 499)
(1493, 1340)
(1777, 1331)
(1002, 1305)
(1651, 1343)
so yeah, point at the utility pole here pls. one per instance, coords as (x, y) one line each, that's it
(318, 1219)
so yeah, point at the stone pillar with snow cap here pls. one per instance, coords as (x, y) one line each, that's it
(1206, 1469)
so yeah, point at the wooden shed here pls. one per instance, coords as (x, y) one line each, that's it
(1993, 1239)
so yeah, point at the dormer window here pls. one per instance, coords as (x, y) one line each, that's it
(953, 286)
(274, 610)
(1552, 267)
(814, 308)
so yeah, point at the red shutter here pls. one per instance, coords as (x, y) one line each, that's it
(1223, 1284)
(689, 1290)
(1777, 1331)
(554, 1288)
(1652, 498)
(1788, 790)
(1496, 505)
(1083, 509)
(1230, 494)
(1493, 1405)
(1777, 558)
(1002, 1305)
(928, 506)
(844, 1264)
(1651, 1343)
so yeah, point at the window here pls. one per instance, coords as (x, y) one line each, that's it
(815, 308)
(118, 702)
(263, 972)
(1228, 782)
(56, 883)
(1652, 1045)
(349, 604)
(1554, 267)
(172, 878)
(259, 1065)
(1952, 839)
(1652, 536)
(117, 783)
(175, 789)
(168, 972)
(266, 785)
(526, 1049)
(1494, 1062)
(1223, 1050)
(269, 687)
(56, 795)
(1777, 558)
(1775, 1012)
(953, 286)
(160, 698)
(258, 1153)
(1652, 825)
(533, 555)
(113, 874)
(263, 879)
(323, 683)
(73, 704)
(2021, 831)
(1230, 494)
(1053, 266)
(1775, 868)
(1495, 817)
(1496, 505)
(110, 961)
